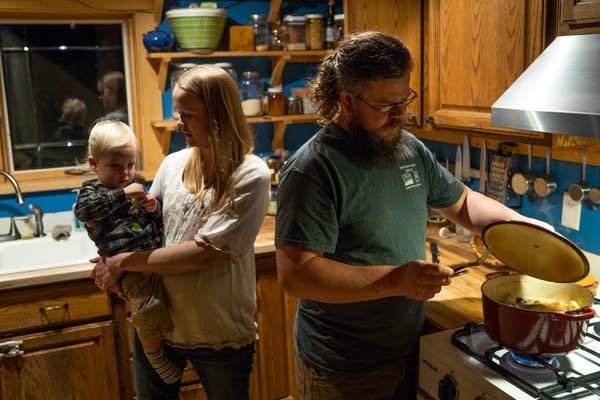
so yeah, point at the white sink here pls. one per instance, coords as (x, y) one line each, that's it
(45, 252)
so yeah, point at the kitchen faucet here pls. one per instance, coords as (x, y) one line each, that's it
(39, 223)
(15, 184)
(13, 233)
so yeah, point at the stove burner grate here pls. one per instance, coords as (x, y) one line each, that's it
(555, 383)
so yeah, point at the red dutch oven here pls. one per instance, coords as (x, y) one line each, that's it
(549, 263)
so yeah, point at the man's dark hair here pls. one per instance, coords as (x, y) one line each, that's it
(357, 61)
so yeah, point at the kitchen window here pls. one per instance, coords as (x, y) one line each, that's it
(57, 79)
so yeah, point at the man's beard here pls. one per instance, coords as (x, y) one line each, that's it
(381, 146)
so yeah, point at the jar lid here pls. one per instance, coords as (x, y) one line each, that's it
(275, 89)
(294, 18)
(535, 251)
(186, 65)
(314, 16)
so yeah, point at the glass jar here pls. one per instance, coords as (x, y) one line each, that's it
(314, 32)
(251, 92)
(227, 66)
(294, 105)
(276, 101)
(261, 31)
(177, 72)
(276, 39)
(295, 32)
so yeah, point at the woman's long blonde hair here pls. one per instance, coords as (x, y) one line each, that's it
(230, 137)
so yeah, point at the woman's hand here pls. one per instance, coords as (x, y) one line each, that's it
(106, 272)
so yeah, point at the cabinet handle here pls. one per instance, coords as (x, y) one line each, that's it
(428, 119)
(12, 349)
(411, 118)
(54, 308)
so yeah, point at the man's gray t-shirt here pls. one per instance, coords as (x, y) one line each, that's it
(360, 213)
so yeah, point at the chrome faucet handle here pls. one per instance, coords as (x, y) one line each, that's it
(38, 215)
(13, 232)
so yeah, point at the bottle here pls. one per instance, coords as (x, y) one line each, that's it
(251, 91)
(330, 28)
(261, 32)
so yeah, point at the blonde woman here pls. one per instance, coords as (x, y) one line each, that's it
(215, 195)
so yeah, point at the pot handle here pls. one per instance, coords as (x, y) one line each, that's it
(579, 315)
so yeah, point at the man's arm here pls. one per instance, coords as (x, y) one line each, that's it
(306, 273)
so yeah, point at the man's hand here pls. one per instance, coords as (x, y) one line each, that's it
(421, 280)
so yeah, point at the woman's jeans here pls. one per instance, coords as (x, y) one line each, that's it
(225, 373)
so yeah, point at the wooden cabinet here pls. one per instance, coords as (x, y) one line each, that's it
(400, 18)
(274, 362)
(57, 343)
(469, 53)
(579, 17)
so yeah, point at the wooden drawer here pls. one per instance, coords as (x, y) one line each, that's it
(29, 308)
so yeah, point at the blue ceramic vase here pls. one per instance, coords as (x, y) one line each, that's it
(157, 40)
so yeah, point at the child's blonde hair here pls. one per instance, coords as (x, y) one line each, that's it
(108, 135)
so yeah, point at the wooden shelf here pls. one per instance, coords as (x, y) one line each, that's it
(166, 127)
(160, 60)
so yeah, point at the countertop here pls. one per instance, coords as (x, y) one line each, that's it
(264, 245)
(453, 307)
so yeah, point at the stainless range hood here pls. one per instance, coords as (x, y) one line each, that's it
(558, 93)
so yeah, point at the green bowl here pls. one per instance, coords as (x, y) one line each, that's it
(197, 29)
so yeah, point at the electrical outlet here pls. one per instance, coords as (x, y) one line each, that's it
(571, 212)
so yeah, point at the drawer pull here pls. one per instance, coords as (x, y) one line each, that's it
(54, 308)
(11, 348)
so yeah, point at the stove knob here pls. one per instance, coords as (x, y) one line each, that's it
(447, 389)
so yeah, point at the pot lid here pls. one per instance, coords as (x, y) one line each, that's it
(535, 251)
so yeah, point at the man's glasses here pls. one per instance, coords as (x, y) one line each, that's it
(387, 108)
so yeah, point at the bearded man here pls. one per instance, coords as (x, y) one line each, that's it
(352, 208)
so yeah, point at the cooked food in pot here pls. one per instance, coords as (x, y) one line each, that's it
(541, 304)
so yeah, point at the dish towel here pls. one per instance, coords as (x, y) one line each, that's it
(61, 232)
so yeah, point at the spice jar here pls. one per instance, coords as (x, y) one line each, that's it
(294, 105)
(314, 31)
(295, 32)
(251, 91)
(276, 102)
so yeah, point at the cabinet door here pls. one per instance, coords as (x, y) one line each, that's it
(579, 16)
(72, 363)
(402, 19)
(274, 362)
(474, 50)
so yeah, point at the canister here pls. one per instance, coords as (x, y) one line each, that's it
(314, 32)
(295, 32)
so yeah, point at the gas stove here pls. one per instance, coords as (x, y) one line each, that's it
(466, 364)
